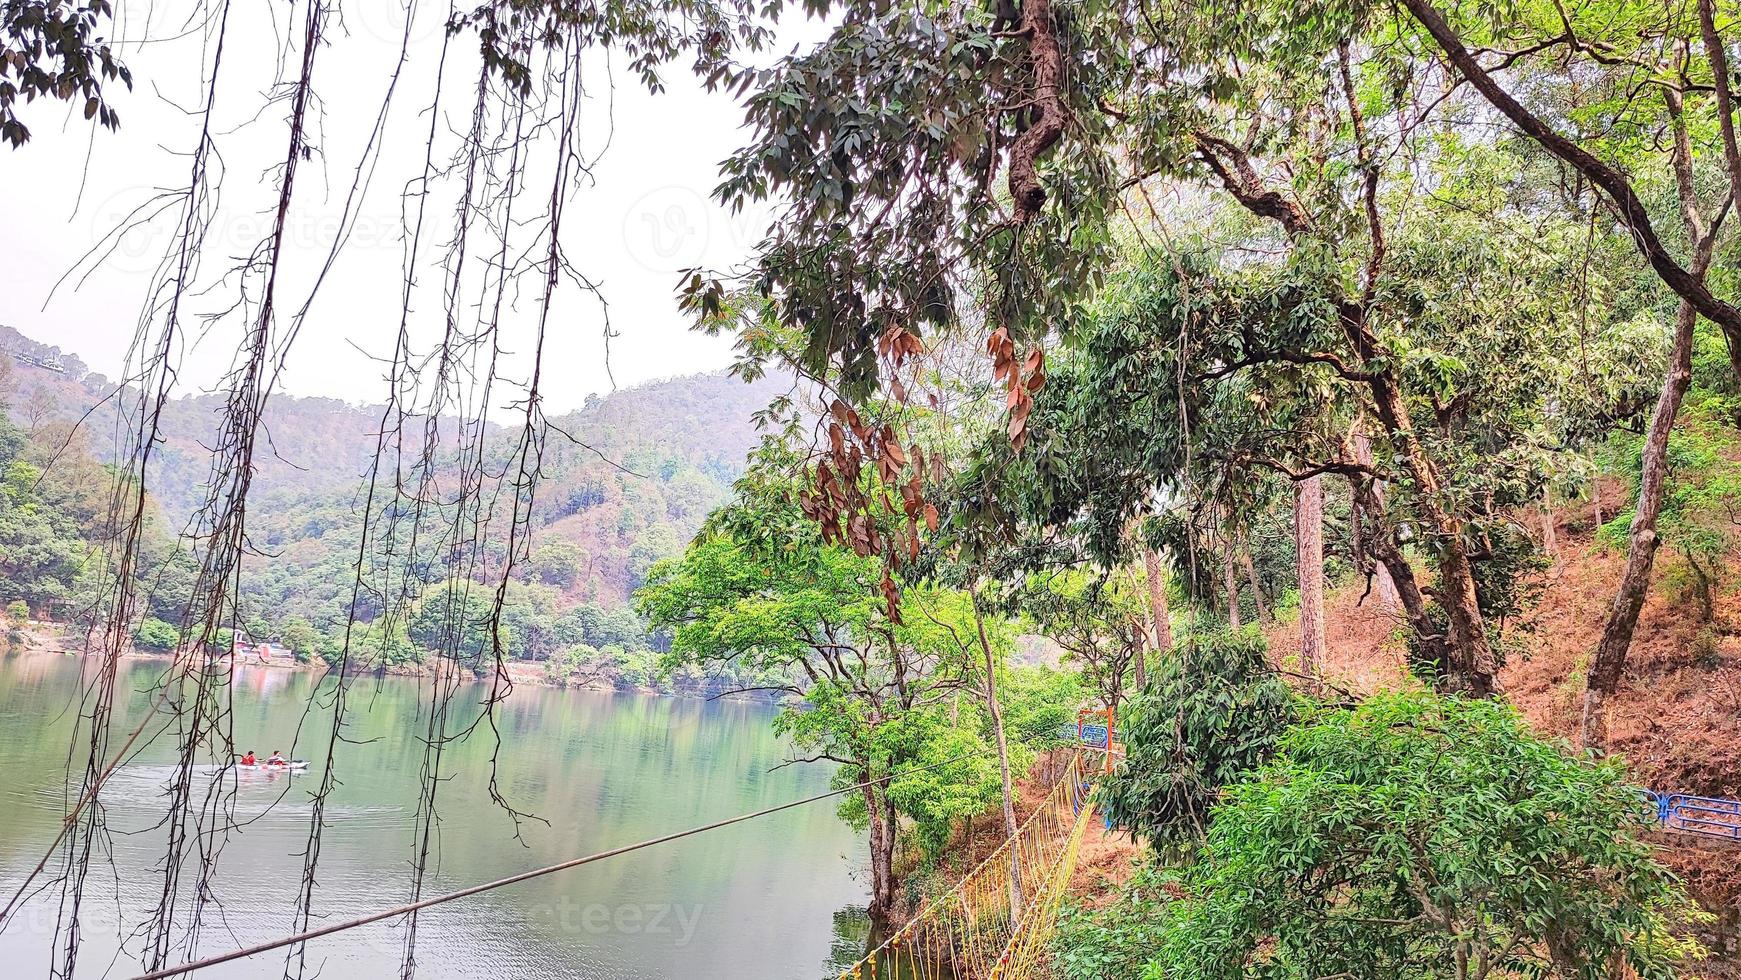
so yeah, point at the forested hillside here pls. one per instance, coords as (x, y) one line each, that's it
(1349, 393)
(626, 482)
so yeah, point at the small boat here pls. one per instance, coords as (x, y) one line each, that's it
(292, 765)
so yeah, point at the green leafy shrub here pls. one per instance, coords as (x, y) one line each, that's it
(1115, 942)
(1212, 713)
(1038, 703)
(155, 635)
(1707, 654)
(1702, 495)
(372, 647)
(300, 637)
(938, 799)
(1508, 582)
(1417, 836)
(562, 665)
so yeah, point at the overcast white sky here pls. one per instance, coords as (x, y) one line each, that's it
(648, 215)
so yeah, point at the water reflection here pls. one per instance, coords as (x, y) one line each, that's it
(782, 896)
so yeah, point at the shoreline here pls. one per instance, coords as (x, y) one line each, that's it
(43, 637)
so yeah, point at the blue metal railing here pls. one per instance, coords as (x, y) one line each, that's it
(1707, 815)
(1092, 735)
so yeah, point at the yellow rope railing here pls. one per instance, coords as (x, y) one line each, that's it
(996, 922)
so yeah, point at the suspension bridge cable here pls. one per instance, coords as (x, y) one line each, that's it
(515, 879)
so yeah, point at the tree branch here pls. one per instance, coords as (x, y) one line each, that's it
(1233, 166)
(1048, 64)
(1630, 209)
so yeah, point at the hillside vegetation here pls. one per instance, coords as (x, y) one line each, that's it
(627, 484)
(1349, 392)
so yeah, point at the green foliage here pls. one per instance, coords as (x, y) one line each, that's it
(1507, 580)
(653, 544)
(1212, 713)
(373, 646)
(559, 562)
(1715, 389)
(884, 216)
(300, 637)
(45, 511)
(453, 620)
(1198, 376)
(562, 666)
(55, 49)
(1038, 702)
(728, 600)
(760, 594)
(1452, 839)
(1117, 941)
(641, 668)
(18, 611)
(529, 625)
(156, 635)
(1387, 309)
(1700, 499)
(964, 784)
(1100, 620)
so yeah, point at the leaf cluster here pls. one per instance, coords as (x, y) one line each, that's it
(1419, 836)
(1212, 714)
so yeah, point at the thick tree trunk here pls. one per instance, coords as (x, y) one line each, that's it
(1230, 580)
(1158, 611)
(1309, 558)
(882, 846)
(1412, 601)
(1471, 667)
(1384, 583)
(1257, 596)
(1610, 660)
(1550, 543)
(1474, 666)
(1396, 577)
(1050, 109)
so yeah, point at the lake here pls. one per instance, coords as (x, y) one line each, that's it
(780, 896)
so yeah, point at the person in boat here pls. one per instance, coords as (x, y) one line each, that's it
(277, 760)
(248, 759)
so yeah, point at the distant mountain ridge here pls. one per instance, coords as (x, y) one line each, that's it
(646, 465)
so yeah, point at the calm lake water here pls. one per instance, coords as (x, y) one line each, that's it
(780, 896)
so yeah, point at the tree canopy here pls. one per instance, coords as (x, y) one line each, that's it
(1459, 843)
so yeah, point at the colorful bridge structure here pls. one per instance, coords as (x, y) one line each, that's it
(996, 923)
